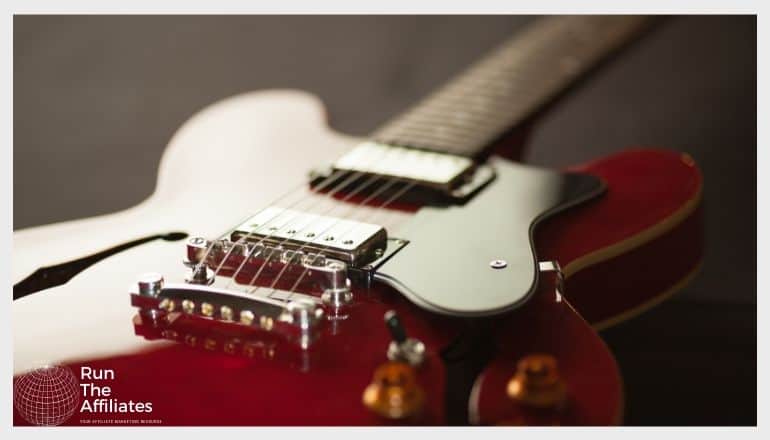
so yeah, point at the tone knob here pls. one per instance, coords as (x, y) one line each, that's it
(394, 392)
(537, 383)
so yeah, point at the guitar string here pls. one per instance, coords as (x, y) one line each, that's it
(327, 196)
(390, 181)
(351, 209)
(323, 184)
(212, 243)
(387, 202)
(500, 69)
(318, 236)
(317, 255)
(327, 181)
(278, 246)
(251, 232)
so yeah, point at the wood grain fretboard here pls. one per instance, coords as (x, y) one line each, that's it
(509, 84)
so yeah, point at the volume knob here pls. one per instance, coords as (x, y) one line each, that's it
(394, 392)
(537, 383)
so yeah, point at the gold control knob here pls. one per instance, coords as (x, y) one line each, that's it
(537, 383)
(394, 392)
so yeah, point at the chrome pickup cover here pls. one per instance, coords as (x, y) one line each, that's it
(353, 242)
(437, 170)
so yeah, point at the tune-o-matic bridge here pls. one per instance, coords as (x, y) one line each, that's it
(296, 317)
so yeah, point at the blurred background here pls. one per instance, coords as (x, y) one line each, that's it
(96, 98)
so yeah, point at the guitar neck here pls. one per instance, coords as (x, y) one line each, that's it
(508, 85)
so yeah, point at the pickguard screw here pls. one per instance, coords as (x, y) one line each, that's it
(498, 264)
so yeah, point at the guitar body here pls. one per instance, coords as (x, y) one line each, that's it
(620, 253)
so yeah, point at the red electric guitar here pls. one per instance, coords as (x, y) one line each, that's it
(420, 276)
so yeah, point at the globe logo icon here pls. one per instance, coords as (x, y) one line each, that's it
(47, 396)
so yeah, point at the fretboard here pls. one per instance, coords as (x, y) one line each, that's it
(509, 84)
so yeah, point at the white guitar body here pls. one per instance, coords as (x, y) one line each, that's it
(229, 160)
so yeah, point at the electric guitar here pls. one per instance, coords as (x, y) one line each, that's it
(284, 274)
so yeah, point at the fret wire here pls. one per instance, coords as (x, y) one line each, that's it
(420, 135)
(481, 119)
(444, 112)
(439, 130)
(449, 134)
(465, 125)
(425, 141)
(443, 132)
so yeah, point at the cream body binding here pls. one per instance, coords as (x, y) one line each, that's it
(226, 162)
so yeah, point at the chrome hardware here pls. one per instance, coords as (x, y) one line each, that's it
(498, 264)
(350, 241)
(298, 320)
(196, 248)
(197, 240)
(167, 305)
(304, 315)
(150, 284)
(437, 170)
(482, 175)
(553, 266)
(200, 274)
(337, 298)
(278, 256)
(338, 294)
(402, 348)
(188, 306)
(411, 351)
(302, 312)
(247, 317)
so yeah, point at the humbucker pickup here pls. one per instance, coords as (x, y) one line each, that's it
(448, 174)
(427, 167)
(352, 242)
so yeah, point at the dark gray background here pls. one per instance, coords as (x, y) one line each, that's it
(97, 98)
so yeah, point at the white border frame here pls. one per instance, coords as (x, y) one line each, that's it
(374, 7)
